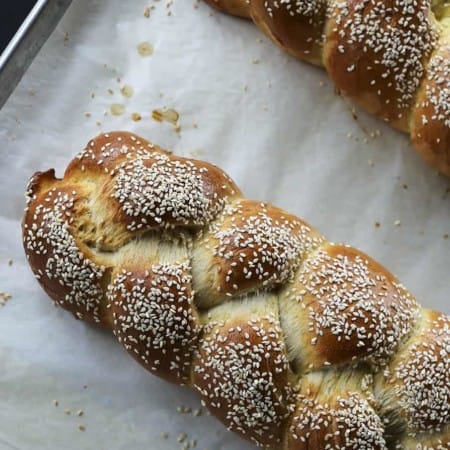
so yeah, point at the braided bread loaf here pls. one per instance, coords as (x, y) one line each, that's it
(390, 57)
(293, 342)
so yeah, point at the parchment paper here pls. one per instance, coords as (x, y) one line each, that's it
(274, 124)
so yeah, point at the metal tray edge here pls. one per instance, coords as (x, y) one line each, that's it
(26, 43)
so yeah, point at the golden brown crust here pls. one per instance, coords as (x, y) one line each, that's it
(238, 8)
(119, 185)
(154, 318)
(417, 382)
(425, 441)
(354, 307)
(430, 124)
(104, 153)
(297, 28)
(69, 276)
(242, 374)
(354, 422)
(306, 315)
(140, 173)
(378, 54)
(254, 246)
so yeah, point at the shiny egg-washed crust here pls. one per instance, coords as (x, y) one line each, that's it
(293, 342)
(240, 8)
(390, 57)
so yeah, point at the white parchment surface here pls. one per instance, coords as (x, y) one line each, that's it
(274, 124)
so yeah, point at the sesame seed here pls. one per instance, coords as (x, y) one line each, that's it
(422, 378)
(155, 187)
(230, 375)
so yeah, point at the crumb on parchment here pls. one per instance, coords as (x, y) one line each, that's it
(4, 298)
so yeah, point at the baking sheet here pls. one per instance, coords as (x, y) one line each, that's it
(274, 124)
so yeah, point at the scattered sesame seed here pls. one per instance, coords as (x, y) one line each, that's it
(4, 298)
(184, 409)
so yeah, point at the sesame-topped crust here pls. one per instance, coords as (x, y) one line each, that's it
(253, 246)
(336, 410)
(296, 26)
(291, 341)
(418, 379)
(351, 307)
(107, 151)
(154, 318)
(388, 56)
(155, 189)
(425, 441)
(376, 53)
(69, 276)
(242, 371)
(354, 422)
(431, 118)
(150, 187)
